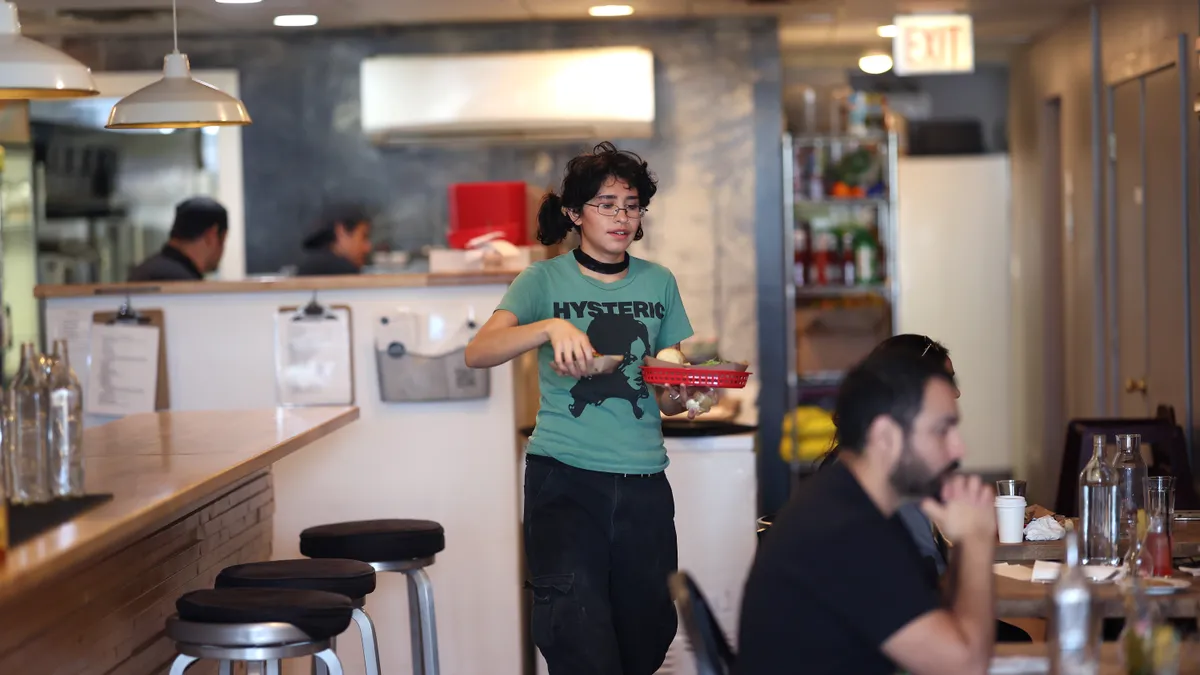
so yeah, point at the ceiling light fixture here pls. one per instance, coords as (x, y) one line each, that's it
(888, 31)
(296, 20)
(32, 70)
(875, 63)
(237, 2)
(177, 101)
(610, 10)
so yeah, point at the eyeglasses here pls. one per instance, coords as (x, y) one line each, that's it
(609, 209)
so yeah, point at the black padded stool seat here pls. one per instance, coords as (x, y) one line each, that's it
(319, 614)
(374, 540)
(351, 578)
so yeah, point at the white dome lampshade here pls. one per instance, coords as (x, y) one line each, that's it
(177, 101)
(32, 70)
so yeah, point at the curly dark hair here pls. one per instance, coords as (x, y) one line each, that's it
(586, 174)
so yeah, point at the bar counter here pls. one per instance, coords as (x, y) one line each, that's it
(279, 284)
(192, 494)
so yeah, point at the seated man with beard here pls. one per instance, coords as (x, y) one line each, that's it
(839, 585)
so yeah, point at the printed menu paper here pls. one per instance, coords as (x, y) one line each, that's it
(123, 374)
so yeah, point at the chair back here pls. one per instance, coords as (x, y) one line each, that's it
(714, 656)
(1168, 456)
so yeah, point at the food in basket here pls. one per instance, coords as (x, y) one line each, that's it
(673, 358)
(672, 355)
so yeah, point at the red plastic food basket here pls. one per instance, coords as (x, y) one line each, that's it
(694, 377)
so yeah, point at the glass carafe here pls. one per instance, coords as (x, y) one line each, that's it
(65, 425)
(1098, 509)
(27, 453)
(1131, 473)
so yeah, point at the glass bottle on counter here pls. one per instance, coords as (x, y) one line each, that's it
(65, 425)
(1131, 474)
(1075, 625)
(30, 474)
(1099, 508)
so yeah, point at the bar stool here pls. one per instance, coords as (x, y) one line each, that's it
(258, 626)
(351, 578)
(405, 546)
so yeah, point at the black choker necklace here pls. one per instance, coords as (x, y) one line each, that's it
(600, 267)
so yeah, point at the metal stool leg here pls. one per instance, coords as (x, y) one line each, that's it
(319, 667)
(181, 664)
(421, 587)
(225, 668)
(366, 628)
(330, 659)
(414, 625)
(275, 667)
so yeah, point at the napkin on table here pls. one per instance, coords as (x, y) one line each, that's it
(1045, 528)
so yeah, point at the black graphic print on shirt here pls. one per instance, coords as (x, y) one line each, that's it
(616, 329)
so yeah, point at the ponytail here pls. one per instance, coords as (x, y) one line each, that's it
(553, 223)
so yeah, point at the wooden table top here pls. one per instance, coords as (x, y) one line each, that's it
(1185, 544)
(1110, 657)
(1026, 599)
(157, 464)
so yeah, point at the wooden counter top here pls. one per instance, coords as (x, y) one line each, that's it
(157, 464)
(264, 285)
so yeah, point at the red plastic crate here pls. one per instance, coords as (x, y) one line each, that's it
(479, 208)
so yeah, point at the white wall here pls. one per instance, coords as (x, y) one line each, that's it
(954, 285)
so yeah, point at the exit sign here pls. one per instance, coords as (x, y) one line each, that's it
(933, 43)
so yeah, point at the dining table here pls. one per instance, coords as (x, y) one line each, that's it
(1185, 543)
(1031, 659)
(1023, 598)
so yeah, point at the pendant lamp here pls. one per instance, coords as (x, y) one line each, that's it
(177, 101)
(32, 70)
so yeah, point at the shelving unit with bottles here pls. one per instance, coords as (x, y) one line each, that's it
(841, 203)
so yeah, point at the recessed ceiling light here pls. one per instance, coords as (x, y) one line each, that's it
(237, 2)
(296, 20)
(610, 10)
(888, 31)
(875, 63)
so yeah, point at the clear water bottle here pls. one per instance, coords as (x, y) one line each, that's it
(1099, 509)
(1131, 474)
(1074, 621)
(27, 453)
(65, 425)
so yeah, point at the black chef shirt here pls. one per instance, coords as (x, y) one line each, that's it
(323, 262)
(833, 580)
(169, 264)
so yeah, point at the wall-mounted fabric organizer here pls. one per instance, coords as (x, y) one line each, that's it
(419, 357)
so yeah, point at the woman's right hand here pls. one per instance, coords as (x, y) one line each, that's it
(572, 349)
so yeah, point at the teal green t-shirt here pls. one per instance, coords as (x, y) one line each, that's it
(609, 422)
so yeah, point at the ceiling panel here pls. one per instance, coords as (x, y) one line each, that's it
(803, 23)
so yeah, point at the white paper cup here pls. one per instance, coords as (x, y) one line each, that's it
(1010, 518)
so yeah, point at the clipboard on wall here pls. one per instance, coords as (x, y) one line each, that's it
(126, 315)
(314, 355)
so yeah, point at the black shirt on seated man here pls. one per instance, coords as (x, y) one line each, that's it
(196, 245)
(838, 586)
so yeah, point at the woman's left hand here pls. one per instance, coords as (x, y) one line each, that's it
(680, 395)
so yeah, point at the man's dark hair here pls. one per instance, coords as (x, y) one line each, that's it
(888, 382)
(325, 233)
(921, 346)
(586, 174)
(195, 216)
